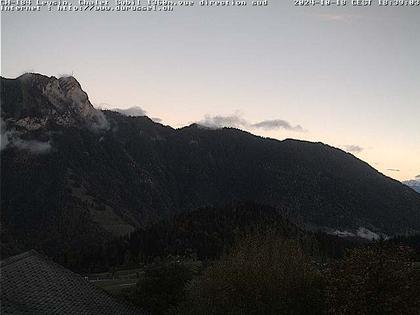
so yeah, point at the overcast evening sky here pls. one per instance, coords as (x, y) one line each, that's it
(349, 77)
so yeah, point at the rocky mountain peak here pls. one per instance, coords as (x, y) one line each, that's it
(45, 100)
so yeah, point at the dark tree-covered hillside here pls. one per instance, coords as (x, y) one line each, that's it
(72, 175)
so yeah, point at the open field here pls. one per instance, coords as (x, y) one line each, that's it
(117, 281)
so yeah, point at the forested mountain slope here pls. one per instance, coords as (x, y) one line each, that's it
(71, 174)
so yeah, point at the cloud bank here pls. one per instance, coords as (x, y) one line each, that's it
(237, 121)
(343, 18)
(352, 148)
(277, 124)
(131, 111)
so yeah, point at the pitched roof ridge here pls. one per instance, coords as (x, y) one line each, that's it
(13, 259)
(46, 260)
(30, 275)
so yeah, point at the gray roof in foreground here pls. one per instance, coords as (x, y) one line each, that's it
(32, 284)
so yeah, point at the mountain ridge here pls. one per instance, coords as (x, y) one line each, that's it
(414, 184)
(98, 183)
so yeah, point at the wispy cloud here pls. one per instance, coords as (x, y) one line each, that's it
(393, 170)
(413, 183)
(134, 111)
(131, 111)
(237, 121)
(11, 138)
(100, 123)
(276, 124)
(4, 135)
(156, 119)
(219, 121)
(343, 18)
(352, 148)
(33, 146)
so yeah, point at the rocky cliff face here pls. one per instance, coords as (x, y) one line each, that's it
(45, 101)
(34, 106)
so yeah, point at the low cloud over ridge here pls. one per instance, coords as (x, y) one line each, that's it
(352, 148)
(131, 111)
(134, 111)
(237, 121)
(276, 124)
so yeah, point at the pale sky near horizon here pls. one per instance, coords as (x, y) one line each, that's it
(349, 76)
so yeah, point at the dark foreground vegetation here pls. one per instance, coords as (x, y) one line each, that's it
(264, 273)
(248, 259)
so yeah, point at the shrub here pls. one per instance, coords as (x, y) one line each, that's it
(378, 279)
(162, 287)
(263, 274)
